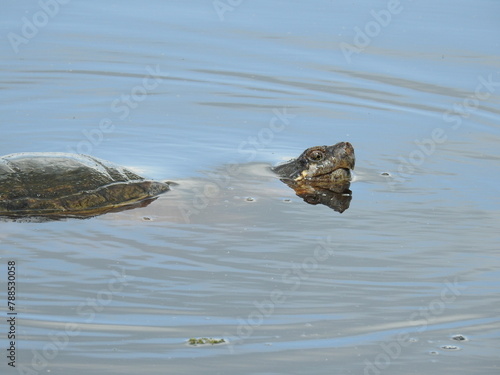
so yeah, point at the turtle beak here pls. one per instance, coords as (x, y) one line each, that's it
(344, 154)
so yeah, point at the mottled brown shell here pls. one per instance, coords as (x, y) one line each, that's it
(40, 184)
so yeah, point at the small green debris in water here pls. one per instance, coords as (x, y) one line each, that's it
(205, 340)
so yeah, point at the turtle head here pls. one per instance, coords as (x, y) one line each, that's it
(321, 164)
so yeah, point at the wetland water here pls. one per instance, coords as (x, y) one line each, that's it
(210, 95)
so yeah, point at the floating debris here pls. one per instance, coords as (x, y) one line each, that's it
(205, 341)
(459, 338)
(450, 347)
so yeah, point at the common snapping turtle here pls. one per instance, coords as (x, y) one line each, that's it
(56, 185)
(321, 174)
(69, 185)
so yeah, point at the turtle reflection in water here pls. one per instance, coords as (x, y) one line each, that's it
(321, 174)
(60, 185)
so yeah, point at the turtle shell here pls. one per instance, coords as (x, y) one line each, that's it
(63, 184)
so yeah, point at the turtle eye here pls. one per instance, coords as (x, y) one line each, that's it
(316, 155)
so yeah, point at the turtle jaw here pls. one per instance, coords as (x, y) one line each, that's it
(337, 175)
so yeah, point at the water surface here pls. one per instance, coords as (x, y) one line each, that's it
(186, 91)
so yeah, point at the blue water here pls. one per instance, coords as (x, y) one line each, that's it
(185, 90)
